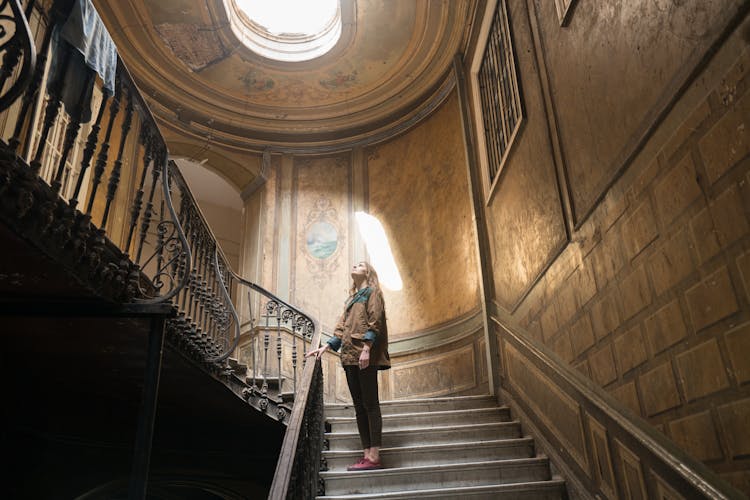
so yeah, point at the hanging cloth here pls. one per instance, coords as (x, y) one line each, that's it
(82, 46)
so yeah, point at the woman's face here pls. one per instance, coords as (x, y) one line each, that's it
(359, 270)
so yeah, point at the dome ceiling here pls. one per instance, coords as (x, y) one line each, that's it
(390, 66)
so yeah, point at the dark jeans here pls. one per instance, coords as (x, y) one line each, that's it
(363, 385)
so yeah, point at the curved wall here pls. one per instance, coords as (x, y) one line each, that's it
(416, 185)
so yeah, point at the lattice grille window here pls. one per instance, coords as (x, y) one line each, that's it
(499, 93)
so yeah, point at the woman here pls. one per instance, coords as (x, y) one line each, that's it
(362, 335)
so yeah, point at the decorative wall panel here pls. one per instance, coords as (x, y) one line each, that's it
(558, 411)
(602, 457)
(634, 485)
(608, 95)
(436, 375)
(321, 202)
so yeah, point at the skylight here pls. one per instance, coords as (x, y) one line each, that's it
(298, 17)
(288, 30)
(379, 250)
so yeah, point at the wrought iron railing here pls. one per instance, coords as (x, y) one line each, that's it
(78, 194)
(102, 197)
(275, 338)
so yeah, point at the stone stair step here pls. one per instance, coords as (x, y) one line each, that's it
(433, 454)
(433, 435)
(446, 476)
(553, 489)
(391, 407)
(426, 419)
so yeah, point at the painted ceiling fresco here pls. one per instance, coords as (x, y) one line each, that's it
(391, 58)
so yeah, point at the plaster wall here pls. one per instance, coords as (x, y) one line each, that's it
(618, 234)
(416, 186)
(226, 224)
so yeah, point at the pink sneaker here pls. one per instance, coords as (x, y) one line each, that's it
(356, 464)
(365, 464)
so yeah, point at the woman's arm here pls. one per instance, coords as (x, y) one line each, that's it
(334, 343)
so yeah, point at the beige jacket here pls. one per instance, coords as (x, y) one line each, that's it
(363, 319)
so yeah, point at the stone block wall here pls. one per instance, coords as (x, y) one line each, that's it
(651, 299)
(618, 233)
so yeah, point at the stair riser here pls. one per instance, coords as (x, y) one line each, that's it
(425, 420)
(540, 492)
(367, 482)
(412, 458)
(420, 407)
(507, 430)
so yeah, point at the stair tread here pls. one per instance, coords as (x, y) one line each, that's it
(393, 402)
(436, 414)
(455, 492)
(541, 459)
(435, 428)
(428, 447)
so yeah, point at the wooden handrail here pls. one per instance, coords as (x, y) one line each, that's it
(689, 474)
(285, 464)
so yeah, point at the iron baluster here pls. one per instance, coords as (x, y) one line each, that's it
(278, 347)
(135, 211)
(147, 212)
(160, 242)
(50, 115)
(254, 341)
(101, 158)
(294, 361)
(214, 308)
(114, 178)
(201, 295)
(266, 340)
(185, 269)
(88, 152)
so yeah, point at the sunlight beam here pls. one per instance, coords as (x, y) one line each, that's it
(381, 257)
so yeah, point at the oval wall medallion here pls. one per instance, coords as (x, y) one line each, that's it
(322, 239)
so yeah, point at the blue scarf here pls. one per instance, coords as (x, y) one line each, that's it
(361, 296)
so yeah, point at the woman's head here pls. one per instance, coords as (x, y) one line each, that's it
(364, 272)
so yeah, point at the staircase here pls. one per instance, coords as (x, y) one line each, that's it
(456, 447)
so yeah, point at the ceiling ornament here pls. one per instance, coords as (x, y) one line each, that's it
(194, 45)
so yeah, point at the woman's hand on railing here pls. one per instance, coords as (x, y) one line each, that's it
(318, 352)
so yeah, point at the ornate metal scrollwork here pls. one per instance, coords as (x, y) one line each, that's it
(16, 42)
(171, 255)
(272, 309)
